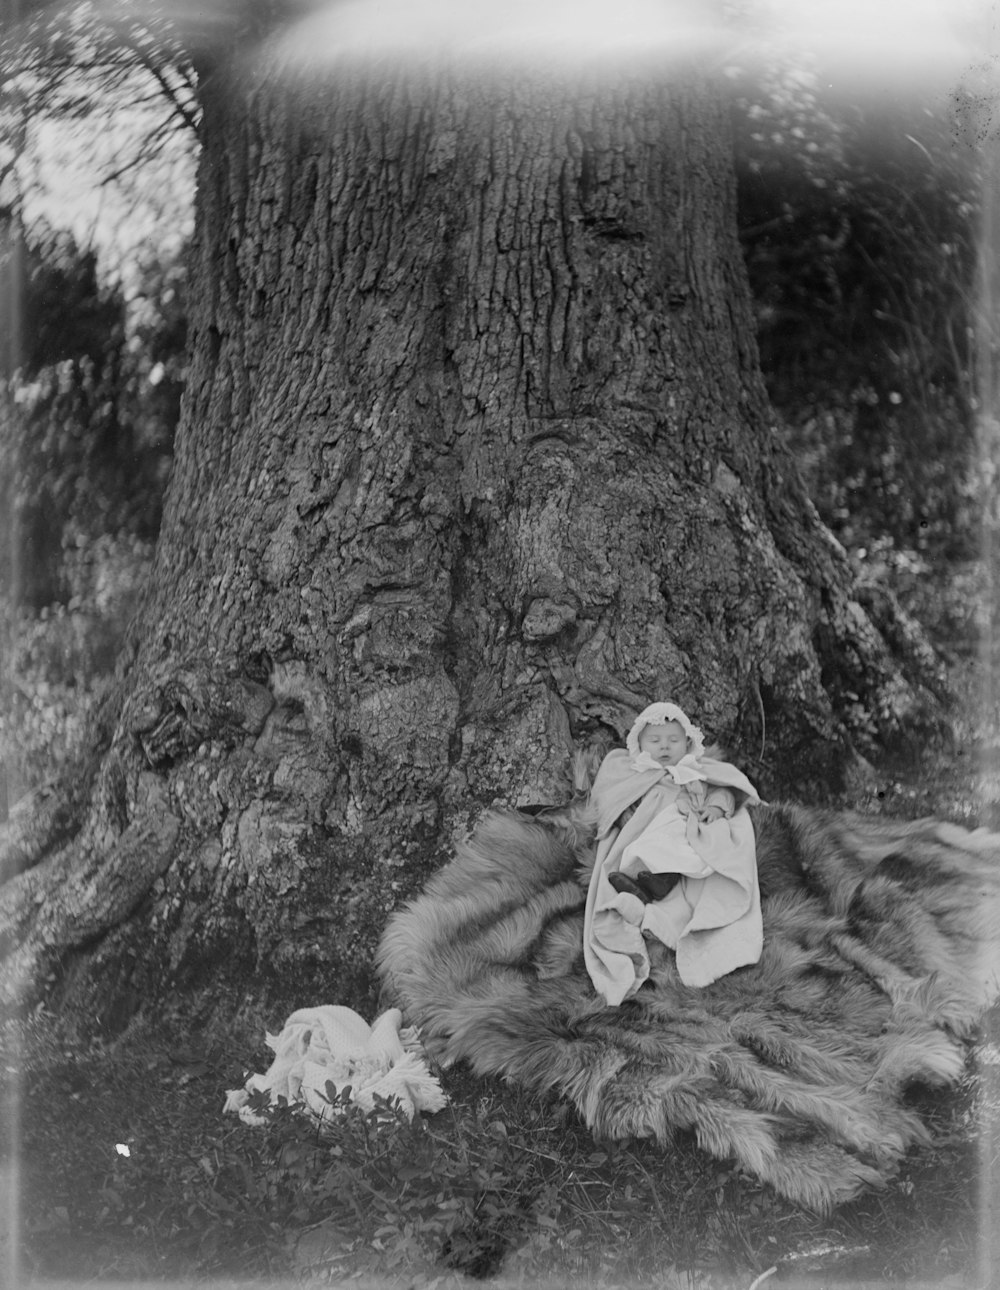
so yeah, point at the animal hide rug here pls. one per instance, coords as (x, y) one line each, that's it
(881, 952)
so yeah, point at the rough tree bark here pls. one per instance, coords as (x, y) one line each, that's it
(475, 461)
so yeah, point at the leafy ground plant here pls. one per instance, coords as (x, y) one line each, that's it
(129, 1170)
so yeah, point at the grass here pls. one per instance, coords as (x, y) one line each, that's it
(130, 1172)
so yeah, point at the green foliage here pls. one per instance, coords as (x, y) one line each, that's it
(64, 313)
(87, 417)
(859, 224)
(58, 663)
(86, 433)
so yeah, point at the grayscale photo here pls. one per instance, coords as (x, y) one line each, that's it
(500, 644)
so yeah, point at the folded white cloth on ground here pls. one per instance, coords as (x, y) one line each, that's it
(334, 1045)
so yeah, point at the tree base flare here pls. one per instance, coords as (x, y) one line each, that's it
(880, 955)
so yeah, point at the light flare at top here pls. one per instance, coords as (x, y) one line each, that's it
(476, 28)
(872, 40)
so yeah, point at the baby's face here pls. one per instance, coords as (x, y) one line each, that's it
(667, 743)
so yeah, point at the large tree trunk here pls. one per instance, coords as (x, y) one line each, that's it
(475, 461)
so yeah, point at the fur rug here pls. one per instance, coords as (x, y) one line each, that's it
(881, 951)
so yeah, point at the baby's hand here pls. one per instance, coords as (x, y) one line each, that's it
(709, 814)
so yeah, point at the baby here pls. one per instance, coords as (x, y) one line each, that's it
(652, 865)
(676, 859)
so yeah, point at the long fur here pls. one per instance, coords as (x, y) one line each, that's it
(881, 952)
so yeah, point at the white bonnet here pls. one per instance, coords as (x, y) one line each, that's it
(658, 714)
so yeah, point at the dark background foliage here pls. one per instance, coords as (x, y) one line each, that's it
(90, 411)
(859, 225)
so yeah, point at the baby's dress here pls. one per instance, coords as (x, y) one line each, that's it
(663, 847)
(712, 917)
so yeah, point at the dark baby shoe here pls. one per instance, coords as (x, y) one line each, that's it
(657, 885)
(622, 882)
